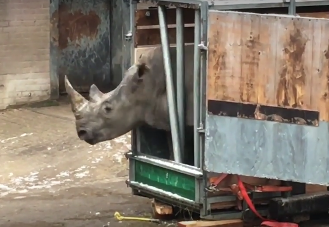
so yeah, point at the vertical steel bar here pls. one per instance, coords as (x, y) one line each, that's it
(196, 87)
(203, 81)
(169, 84)
(203, 76)
(292, 7)
(180, 78)
(129, 49)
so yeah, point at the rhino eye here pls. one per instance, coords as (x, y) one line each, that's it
(107, 109)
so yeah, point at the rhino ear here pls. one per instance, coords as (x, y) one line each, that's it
(94, 93)
(142, 69)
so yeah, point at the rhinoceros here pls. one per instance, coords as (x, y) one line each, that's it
(139, 99)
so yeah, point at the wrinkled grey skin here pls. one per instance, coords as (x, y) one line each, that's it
(139, 99)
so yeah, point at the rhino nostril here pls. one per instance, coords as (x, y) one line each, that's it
(82, 134)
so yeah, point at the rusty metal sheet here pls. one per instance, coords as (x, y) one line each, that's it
(83, 43)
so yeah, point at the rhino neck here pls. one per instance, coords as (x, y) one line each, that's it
(157, 115)
(157, 111)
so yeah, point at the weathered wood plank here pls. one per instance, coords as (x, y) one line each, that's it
(307, 26)
(250, 49)
(315, 14)
(323, 92)
(290, 81)
(221, 223)
(267, 61)
(313, 188)
(146, 17)
(152, 36)
(316, 64)
(224, 60)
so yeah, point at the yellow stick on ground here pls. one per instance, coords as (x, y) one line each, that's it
(118, 216)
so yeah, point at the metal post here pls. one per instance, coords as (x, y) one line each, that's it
(292, 7)
(203, 78)
(169, 84)
(180, 78)
(129, 57)
(196, 87)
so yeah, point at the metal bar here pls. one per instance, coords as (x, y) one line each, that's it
(177, 167)
(129, 49)
(181, 2)
(163, 195)
(169, 84)
(180, 78)
(292, 7)
(196, 88)
(265, 5)
(203, 78)
(229, 5)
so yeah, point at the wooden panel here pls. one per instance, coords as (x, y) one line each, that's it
(250, 48)
(294, 63)
(323, 55)
(317, 54)
(307, 28)
(152, 36)
(148, 17)
(224, 60)
(315, 14)
(269, 60)
(313, 188)
(142, 51)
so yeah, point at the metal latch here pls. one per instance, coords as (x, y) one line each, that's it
(202, 46)
(201, 129)
(128, 36)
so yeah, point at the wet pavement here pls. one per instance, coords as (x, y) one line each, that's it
(49, 178)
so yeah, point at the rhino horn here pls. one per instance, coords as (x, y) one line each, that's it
(77, 100)
(94, 93)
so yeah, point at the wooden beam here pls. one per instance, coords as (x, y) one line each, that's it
(161, 210)
(221, 223)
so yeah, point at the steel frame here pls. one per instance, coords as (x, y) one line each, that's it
(230, 5)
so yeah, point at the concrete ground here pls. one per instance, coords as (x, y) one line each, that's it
(49, 178)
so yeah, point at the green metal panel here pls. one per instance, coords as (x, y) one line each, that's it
(165, 179)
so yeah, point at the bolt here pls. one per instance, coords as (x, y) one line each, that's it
(147, 13)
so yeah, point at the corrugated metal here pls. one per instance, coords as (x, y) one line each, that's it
(267, 149)
(84, 43)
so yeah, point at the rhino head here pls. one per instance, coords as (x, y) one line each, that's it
(106, 116)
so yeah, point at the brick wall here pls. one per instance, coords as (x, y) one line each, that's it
(24, 51)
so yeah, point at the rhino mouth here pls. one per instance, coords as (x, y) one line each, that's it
(90, 141)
